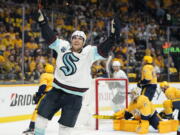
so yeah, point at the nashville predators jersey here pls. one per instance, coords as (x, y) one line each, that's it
(142, 105)
(149, 73)
(46, 79)
(172, 93)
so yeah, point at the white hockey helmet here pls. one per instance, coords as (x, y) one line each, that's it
(116, 63)
(79, 33)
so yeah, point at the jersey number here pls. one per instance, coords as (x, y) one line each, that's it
(68, 60)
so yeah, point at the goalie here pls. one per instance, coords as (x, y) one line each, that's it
(139, 115)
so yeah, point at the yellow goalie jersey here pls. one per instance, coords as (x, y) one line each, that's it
(172, 93)
(148, 73)
(141, 106)
(46, 79)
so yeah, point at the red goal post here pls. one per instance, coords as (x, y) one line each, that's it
(97, 91)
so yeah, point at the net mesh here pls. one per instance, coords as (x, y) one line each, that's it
(111, 96)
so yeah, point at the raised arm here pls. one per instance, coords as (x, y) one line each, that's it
(105, 46)
(47, 33)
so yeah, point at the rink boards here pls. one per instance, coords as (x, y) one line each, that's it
(16, 101)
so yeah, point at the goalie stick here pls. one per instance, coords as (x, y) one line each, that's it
(105, 117)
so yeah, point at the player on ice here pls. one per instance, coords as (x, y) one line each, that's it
(72, 75)
(148, 81)
(172, 102)
(46, 80)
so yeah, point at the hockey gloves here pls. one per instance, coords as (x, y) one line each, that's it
(115, 29)
(39, 16)
(36, 97)
(141, 83)
(39, 94)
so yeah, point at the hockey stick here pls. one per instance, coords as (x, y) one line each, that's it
(39, 4)
(105, 117)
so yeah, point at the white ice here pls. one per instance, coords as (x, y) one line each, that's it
(16, 128)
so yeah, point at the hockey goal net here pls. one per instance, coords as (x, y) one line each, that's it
(111, 96)
(105, 97)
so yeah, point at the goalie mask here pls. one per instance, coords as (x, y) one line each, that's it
(80, 34)
(135, 92)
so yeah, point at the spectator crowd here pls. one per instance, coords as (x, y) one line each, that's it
(144, 31)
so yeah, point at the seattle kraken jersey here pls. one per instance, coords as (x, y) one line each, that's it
(73, 70)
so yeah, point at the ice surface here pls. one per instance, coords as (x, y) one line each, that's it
(16, 128)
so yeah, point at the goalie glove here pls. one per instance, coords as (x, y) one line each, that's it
(115, 29)
(40, 17)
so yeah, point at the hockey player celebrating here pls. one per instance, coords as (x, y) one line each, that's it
(142, 110)
(46, 80)
(72, 75)
(148, 81)
(173, 102)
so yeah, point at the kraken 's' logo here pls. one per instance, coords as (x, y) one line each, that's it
(68, 60)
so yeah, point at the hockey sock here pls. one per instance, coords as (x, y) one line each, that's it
(41, 125)
(39, 131)
(32, 125)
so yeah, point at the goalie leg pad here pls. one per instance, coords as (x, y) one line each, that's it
(126, 125)
(116, 125)
(143, 127)
(168, 126)
(174, 125)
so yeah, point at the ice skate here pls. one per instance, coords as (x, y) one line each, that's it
(28, 132)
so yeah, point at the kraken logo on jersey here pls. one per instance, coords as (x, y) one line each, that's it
(68, 60)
